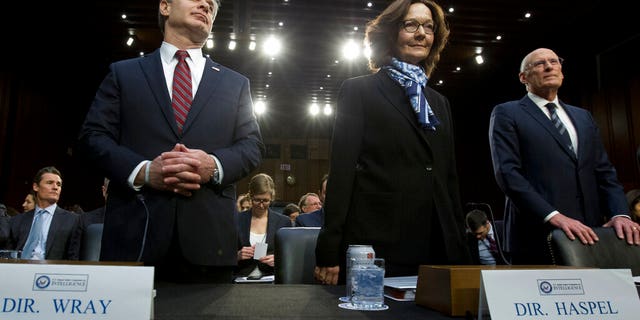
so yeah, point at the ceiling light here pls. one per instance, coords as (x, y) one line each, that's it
(527, 15)
(314, 109)
(350, 50)
(209, 43)
(252, 45)
(479, 59)
(130, 41)
(272, 46)
(327, 110)
(260, 107)
(232, 45)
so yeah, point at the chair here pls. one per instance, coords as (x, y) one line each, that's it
(91, 242)
(295, 255)
(609, 252)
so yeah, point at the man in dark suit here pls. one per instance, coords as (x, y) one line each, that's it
(58, 235)
(173, 148)
(554, 175)
(314, 218)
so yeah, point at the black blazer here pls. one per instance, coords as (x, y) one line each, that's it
(275, 221)
(131, 120)
(539, 174)
(311, 219)
(63, 240)
(393, 184)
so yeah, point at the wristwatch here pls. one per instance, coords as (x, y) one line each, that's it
(215, 176)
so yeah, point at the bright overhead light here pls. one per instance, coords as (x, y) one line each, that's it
(260, 107)
(252, 45)
(327, 110)
(209, 43)
(272, 46)
(130, 41)
(232, 45)
(314, 109)
(479, 59)
(350, 50)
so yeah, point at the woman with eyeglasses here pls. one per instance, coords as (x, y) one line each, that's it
(258, 225)
(393, 180)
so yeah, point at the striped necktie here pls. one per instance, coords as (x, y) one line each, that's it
(564, 135)
(181, 95)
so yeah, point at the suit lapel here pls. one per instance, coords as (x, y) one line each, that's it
(534, 111)
(209, 85)
(396, 96)
(56, 221)
(152, 67)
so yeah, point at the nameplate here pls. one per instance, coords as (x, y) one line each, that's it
(558, 294)
(53, 291)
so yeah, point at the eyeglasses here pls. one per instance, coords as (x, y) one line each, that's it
(258, 201)
(542, 63)
(412, 26)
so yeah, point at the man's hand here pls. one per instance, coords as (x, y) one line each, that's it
(573, 228)
(625, 229)
(327, 275)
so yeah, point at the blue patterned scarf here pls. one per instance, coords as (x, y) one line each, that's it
(413, 79)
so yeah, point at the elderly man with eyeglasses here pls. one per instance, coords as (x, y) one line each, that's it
(549, 160)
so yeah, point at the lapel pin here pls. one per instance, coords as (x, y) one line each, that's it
(216, 69)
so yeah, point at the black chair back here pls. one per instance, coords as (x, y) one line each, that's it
(609, 252)
(295, 255)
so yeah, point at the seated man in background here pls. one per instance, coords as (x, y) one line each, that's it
(49, 231)
(481, 239)
(292, 211)
(315, 218)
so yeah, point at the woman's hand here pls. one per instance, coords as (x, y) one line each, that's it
(246, 253)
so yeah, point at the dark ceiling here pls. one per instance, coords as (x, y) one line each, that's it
(313, 31)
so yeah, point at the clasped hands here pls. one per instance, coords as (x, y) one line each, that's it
(181, 170)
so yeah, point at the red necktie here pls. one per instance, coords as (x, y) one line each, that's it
(181, 95)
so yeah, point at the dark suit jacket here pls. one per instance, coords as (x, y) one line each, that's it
(538, 175)
(311, 219)
(275, 221)
(393, 184)
(4, 230)
(131, 120)
(63, 240)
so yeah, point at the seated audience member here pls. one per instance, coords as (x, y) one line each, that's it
(633, 198)
(315, 218)
(481, 238)
(29, 202)
(4, 225)
(258, 225)
(292, 211)
(32, 231)
(309, 202)
(243, 203)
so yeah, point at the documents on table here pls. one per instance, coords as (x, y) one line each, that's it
(265, 279)
(400, 288)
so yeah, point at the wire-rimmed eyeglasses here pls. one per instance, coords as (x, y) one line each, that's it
(543, 62)
(257, 201)
(412, 26)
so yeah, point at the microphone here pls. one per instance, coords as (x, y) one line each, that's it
(140, 198)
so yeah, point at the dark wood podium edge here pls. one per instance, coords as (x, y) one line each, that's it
(75, 262)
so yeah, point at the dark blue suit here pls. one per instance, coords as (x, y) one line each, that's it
(131, 120)
(63, 239)
(311, 219)
(538, 175)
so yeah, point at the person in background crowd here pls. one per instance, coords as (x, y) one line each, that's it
(292, 211)
(259, 225)
(393, 182)
(315, 218)
(174, 131)
(29, 202)
(549, 160)
(309, 202)
(482, 238)
(49, 231)
(243, 202)
(633, 199)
